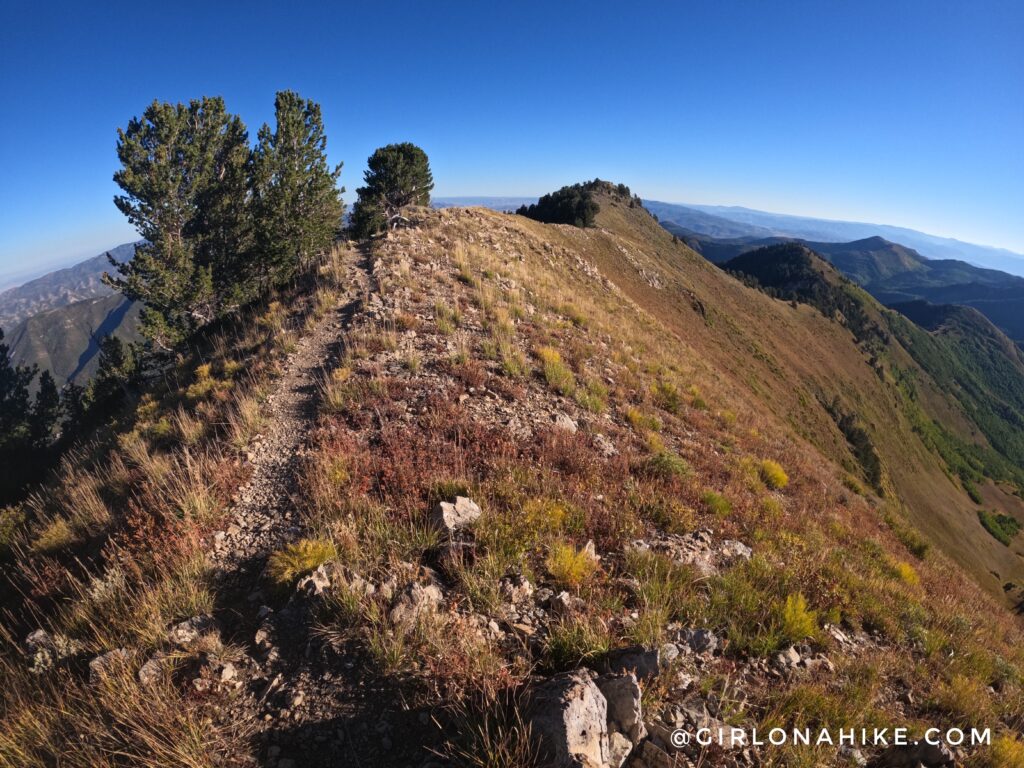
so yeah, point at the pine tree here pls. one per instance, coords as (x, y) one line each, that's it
(45, 412)
(117, 371)
(14, 399)
(397, 176)
(297, 203)
(183, 176)
(26, 426)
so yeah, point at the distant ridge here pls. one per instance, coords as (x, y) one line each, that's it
(59, 288)
(494, 203)
(895, 274)
(66, 340)
(764, 224)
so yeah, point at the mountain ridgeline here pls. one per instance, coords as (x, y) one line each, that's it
(894, 274)
(523, 491)
(737, 222)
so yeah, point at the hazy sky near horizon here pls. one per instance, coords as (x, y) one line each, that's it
(898, 112)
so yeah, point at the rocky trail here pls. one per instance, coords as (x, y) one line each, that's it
(263, 516)
(311, 704)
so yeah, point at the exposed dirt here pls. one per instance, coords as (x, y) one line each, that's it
(311, 704)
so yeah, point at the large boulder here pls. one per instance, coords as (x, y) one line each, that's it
(625, 714)
(569, 717)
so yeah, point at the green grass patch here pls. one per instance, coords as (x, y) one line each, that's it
(773, 475)
(297, 559)
(716, 503)
(558, 375)
(1002, 527)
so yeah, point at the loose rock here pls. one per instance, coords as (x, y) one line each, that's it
(188, 631)
(569, 716)
(454, 516)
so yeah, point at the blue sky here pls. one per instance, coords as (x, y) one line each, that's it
(908, 113)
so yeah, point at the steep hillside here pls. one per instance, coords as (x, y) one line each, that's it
(488, 491)
(59, 288)
(65, 341)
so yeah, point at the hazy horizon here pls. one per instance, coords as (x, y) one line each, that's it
(878, 112)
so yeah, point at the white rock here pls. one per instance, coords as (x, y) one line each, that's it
(562, 421)
(188, 631)
(105, 663)
(453, 516)
(569, 716)
(415, 601)
(619, 748)
(315, 584)
(625, 714)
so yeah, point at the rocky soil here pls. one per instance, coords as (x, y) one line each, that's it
(313, 696)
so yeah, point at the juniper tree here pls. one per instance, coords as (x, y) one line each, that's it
(397, 175)
(183, 176)
(296, 201)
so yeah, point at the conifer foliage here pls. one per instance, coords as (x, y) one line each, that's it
(569, 205)
(296, 201)
(26, 423)
(183, 177)
(397, 176)
(221, 223)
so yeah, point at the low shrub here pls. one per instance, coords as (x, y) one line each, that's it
(1002, 527)
(641, 421)
(797, 622)
(575, 640)
(906, 573)
(773, 475)
(716, 503)
(666, 396)
(666, 465)
(569, 566)
(557, 374)
(907, 535)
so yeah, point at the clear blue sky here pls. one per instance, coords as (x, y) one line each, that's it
(907, 113)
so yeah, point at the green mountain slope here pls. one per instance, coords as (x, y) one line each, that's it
(65, 340)
(895, 274)
(963, 355)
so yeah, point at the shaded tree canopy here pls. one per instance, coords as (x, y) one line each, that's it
(397, 176)
(570, 205)
(27, 424)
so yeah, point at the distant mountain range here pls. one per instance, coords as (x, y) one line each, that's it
(494, 203)
(65, 341)
(733, 221)
(57, 321)
(894, 274)
(59, 288)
